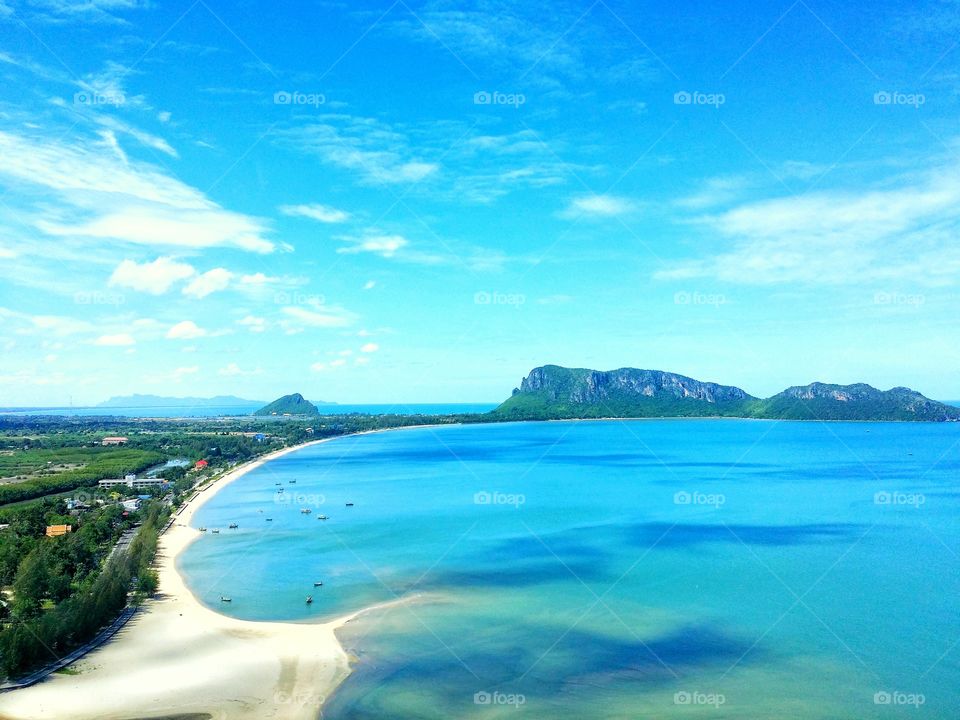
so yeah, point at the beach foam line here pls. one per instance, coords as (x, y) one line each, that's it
(179, 657)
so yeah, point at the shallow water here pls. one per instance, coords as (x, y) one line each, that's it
(694, 568)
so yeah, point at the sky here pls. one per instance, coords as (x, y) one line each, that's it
(421, 201)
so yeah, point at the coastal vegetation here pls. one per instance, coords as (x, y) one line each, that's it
(552, 392)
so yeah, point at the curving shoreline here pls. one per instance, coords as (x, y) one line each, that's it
(178, 657)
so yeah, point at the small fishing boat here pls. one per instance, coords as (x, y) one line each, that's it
(233, 526)
(223, 598)
(269, 519)
(292, 482)
(322, 517)
(318, 583)
(306, 511)
(215, 531)
(309, 599)
(349, 504)
(277, 483)
(280, 491)
(203, 529)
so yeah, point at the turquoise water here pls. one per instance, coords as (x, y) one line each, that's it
(646, 569)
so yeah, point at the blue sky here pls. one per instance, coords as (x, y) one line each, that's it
(409, 201)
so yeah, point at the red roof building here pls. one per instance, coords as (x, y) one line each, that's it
(201, 464)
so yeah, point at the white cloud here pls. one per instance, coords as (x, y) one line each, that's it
(339, 362)
(253, 323)
(315, 211)
(383, 245)
(234, 370)
(378, 152)
(322, 317)
(209, 282)
(597, 206)
(99, 196)
(118, 339)
(185, 330)
(908, 232)
(370, 285)
(153, 277)
(180, 372)
(370, 348)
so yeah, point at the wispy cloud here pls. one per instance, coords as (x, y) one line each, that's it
(315, 211)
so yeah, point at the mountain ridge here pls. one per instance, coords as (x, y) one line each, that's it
(556, 392)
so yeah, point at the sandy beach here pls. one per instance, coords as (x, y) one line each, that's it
(177, 658)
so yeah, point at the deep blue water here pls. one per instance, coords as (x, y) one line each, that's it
(644, 569)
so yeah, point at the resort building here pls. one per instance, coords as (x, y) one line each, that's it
(133, 482)
(58, 530)
(113, 441)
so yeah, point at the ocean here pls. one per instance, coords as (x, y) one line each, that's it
(608, 569)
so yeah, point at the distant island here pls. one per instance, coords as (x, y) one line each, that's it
(137, 401)
(552, 392)
(294, 404)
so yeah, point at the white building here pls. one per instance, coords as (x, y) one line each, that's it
(133, 482)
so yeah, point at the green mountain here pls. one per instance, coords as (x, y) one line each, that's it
(289, 405)
(822, 401)
(553, 392)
